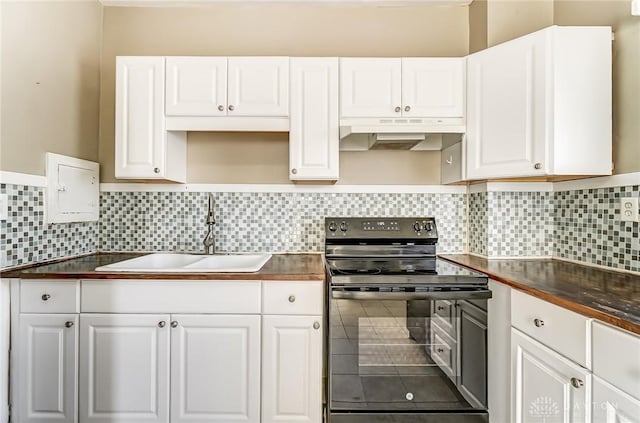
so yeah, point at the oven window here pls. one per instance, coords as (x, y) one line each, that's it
(406, 355)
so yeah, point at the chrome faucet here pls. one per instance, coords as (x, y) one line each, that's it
(209, 242)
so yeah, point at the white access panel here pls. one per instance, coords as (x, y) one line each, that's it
(72, 189)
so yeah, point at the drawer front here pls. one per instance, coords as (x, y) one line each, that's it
(444, 312)
(559, 329)
(49, 296)
(170, 296)
(293, 297)
(616, 357)
(443, 350)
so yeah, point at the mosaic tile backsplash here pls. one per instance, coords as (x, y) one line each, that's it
(260, 222)
(25, 238)
(587, 227)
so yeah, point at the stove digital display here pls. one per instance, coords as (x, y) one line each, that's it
(380, 225)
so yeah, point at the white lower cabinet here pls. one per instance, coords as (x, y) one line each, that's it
(546, 386)
(215, 368)
(48, 368)
(292, 369)
(124, 368)
(611, 405)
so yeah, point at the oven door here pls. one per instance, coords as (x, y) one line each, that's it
(416, 356)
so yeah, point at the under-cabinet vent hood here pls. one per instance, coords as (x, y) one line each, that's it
(417, 134)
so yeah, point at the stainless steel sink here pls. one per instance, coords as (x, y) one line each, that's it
(185, 263)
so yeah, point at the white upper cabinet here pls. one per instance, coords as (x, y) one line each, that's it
(408, 87)
(313, 137)
(144, 148)
(196, 86)
(433, 87)
(370, 87)
(541, 105)
(258, 86)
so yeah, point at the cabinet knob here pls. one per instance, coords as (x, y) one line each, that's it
(221, 108)
(45, 297)
(294, 171)
(398, 109)
(174, 324)
(292, 298)
(576, 383)
(316, 325)
(538, 166)
(440, 308)
(407, 108)
(156, 170)
(68, 324)
(440, 350)
(162, 324)
(231, 107)
(539, 323)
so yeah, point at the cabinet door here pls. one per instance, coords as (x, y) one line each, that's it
(124, 368)
(292, 369)
(506, 96)
(472, 353)
(611, 405)
(313, 138)
(48, 365)
(542, 385)
(215, 368)
(433, 87)
(196, 86)
(370, 87)
(140, 146)
(258, 86)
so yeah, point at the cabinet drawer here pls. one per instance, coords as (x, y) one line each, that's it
(616, 357)
(559, 329)
(297, 297)
(47, 296)
(170, 296)
(444, 313)
(443, 350)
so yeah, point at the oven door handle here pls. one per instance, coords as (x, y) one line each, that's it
(433, 295)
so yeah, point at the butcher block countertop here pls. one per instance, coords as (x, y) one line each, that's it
(607, 295)
(298, 267)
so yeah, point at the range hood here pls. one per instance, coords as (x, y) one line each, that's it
(418, 134)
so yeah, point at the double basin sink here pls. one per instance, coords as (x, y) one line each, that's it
(190, 263)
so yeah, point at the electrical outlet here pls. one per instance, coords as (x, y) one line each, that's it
(629, 209)
(4, 207)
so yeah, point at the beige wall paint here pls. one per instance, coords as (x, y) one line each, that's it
(50, 82)
(478, 25)
(509, 19)
(279, 30)
(626, 70)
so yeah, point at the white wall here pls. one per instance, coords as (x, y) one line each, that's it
(4, 350)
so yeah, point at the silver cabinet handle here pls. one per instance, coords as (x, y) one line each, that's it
(231, 107)
(68, 324)
(576, 383)
(292, 298)
(440, 308)
(440, 350)
(539, 323)
(174, 324)
(398, 109)
(221, 108)
(538, 166)
(294, 171)
(162, 324)
(156, 170)
(45, 297)
(316, 325)
(407, 108)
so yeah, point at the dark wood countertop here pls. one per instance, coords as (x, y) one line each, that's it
(607, 295)
(299, 267)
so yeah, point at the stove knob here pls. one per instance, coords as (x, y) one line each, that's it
(428, 226)
(332, 226)
(417, 227)
(344, 226)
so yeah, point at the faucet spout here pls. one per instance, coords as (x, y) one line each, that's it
(209, 241)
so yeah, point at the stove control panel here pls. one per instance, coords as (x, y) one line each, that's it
(399, 228)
